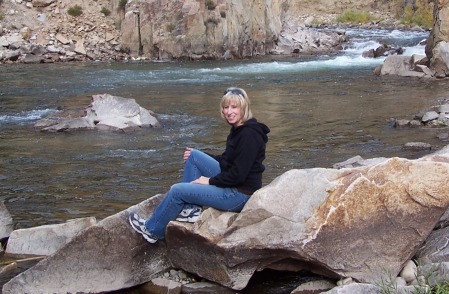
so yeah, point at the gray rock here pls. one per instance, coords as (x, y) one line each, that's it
(424, 69)
(417, 146)
(38, 50)
(11, 55)
(435, 273)
(6, 224)
(105, 257)
(399, 65)
(317, 286)
(430, 115)
(70, 124)
(400, 123)
(443, 108)
(440, 59)
(206, 288)
(47, 239)
(435, 249)
(409, 272)
(62, 39)
(106, 112)
(354, 288)
(351, 162)
(42, 3)
(31, 58)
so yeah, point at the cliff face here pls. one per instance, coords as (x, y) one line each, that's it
(179, 28)
(220, 28)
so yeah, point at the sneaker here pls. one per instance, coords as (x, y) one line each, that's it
(189, 215)
(138, 225)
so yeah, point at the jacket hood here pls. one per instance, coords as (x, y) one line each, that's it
(261, 128)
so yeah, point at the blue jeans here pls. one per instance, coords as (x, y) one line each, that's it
(186, 194)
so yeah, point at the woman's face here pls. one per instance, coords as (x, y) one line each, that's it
(233, 114)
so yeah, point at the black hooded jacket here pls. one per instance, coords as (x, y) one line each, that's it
(241, 163)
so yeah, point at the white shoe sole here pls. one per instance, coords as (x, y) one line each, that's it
(139, 230)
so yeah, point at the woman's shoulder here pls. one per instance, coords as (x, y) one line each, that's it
(254, 128)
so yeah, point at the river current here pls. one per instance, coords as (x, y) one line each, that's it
(321, 110)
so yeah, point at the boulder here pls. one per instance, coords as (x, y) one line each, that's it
(317, 286)
(354, 288)
(47, 239)
(62, 39)
(437, 50)
(435, 273)
(119, 112)
(31, 58)
(409, 272)
(79, 48)
(429, 115)
(435, 249)
(42, 3)
(106, 112)
(69, 124)
(105, 257)
(313, 220)
(6, 224)
(417, 146)
(440, 59)
(205, 288)
(399, 65)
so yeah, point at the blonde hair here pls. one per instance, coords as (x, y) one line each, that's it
(240, 98)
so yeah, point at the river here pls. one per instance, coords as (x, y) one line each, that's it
(321, 110)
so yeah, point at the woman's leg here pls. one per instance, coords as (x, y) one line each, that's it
(199, 164)
(227, 199)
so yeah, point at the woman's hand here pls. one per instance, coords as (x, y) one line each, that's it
(201, 180)
(187, 153)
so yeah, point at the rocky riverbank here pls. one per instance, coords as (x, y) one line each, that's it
(43, 31)
(318, 234)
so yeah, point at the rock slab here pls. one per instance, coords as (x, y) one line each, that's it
(359, 222)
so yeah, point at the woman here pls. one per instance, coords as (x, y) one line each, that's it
(224, 182)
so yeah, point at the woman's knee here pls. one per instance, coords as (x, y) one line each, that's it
(194, 153)
(178, 190)
(175, 188)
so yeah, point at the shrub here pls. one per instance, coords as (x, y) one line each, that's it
(421, 14)
(170, 27)
(75, 10)
(352, 16)
(122, 4)
(441, 288)
(105, 11)
(210, 4)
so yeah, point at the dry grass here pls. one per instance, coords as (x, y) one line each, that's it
(421, 14)
(355, 17)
